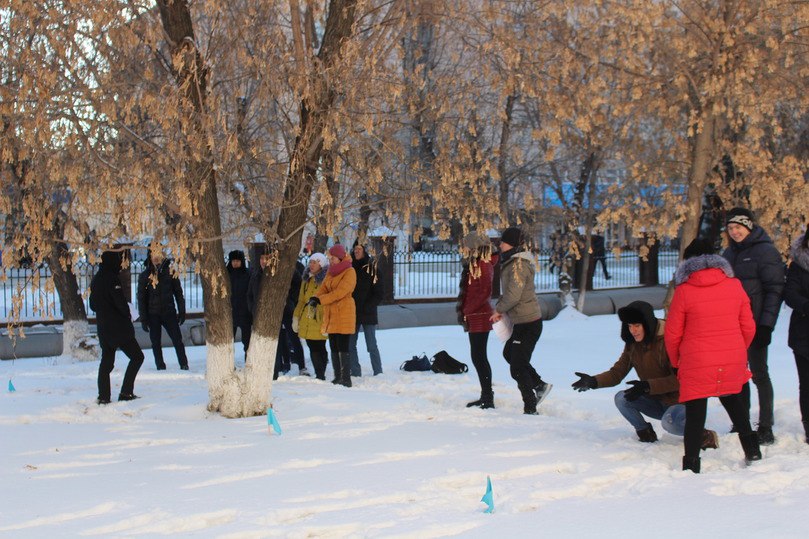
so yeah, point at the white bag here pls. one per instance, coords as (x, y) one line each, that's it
(503, 328)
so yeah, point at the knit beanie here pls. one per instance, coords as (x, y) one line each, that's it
(338, 251)
(321, 259)
(741, 216)
(513, 236)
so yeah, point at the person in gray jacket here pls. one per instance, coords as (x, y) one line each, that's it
(759, 266)
(519, 303)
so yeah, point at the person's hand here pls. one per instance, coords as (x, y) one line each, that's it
(639, 388)
(584, 382)
(181, 318)
(145, 325)
(495, 317)
(314, 301)
(763, 337)
(296, 324)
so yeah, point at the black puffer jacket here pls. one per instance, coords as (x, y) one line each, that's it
(239, 282)
(758, 265)
(160, 300)
(109, 303)
(796, 295)
(367, 295)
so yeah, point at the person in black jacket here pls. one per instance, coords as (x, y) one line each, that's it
(158, 290)
(239, 282)
(758, 265)
(599, 247)
(796, 295)
(367, 297)
(115, 329)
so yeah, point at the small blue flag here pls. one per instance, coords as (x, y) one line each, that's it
(11, 388)
(273, 421)
(488, 498)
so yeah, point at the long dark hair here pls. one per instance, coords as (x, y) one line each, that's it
(805, 242)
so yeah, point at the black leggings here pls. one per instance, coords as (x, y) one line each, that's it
(697, 410)
(802, 362)
(338, 343)
(477, 349)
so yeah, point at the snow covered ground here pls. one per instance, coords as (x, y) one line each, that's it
(398, 455)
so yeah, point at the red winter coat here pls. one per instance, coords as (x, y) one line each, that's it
(708, 329)
(476, 307)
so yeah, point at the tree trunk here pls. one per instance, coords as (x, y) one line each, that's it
(502, 160)
(702, 151)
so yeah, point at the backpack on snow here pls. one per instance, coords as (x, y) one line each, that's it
(445, 363)
(418, 363)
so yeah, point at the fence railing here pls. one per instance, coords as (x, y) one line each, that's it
(416, 275)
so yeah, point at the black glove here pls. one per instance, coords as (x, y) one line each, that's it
(763, 337)
(145, 325)
(181, 318)
(639, 388)
(584, 382)
(314, 301)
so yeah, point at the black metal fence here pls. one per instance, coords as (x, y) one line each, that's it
(29, 295)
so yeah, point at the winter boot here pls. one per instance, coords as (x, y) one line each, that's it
(806, 430)
(710, 440)
(485, 401)
(691, 464)
(529, 400)
(336, 363)
(765, 436)
(647, 435)
(752, 451)
(542, 390)
(345, 369)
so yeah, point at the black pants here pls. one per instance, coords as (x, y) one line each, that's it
(131, 349)
(802, 362)
(696, 412)
(320, 358)
(603, 261)
(757, 361)
(338, 343)
(477, 349)
(289, 351)
(156, 322)
(247, 329)
(518, 350)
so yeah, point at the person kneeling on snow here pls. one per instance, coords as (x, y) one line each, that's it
(656, 394)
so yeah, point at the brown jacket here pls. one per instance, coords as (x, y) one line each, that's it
(339, 311)
(651, 363)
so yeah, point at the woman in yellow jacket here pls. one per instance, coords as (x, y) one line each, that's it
(307, 321)
(339, 311)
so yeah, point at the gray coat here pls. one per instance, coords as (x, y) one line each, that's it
(519, 300)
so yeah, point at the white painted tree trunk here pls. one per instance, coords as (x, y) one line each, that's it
(246, 392)
(76, 344)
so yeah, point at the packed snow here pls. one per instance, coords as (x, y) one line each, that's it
(397, 455)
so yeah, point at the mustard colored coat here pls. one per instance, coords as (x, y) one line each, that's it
(309, 320)
(339, 311)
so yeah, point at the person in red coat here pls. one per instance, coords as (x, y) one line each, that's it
(474, 309)
(708, 329)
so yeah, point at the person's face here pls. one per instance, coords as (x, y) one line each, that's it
(333, 260)
(359, 252)
(157, 257)
(264, 261)
(637, 332)
(737, 232)
(314, 266)
(236, 263)
(505, 246)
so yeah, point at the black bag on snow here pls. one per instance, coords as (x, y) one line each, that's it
(445, 363)
(418, 363)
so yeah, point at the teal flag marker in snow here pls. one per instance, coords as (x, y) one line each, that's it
(11, 388)
(488, 498)
(273, 421)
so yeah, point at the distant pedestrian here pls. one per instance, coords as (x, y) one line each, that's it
(474, 309)
(158, 290)
(598, 244)
(307, 321)
(519, 302)
(758, 265)
(796, 295)
(239, 283)
(367, 297)
(115, 329)
(339, 311)
(708, 329)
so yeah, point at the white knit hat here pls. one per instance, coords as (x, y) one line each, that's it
(321, 259)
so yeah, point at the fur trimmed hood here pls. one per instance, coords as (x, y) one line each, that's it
(800, 255)
(698, 263)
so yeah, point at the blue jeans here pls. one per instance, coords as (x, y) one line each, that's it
(369, 330)
(671, 417)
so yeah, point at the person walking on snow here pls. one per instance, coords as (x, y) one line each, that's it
(519, 303)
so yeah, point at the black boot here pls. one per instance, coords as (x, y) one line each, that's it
(319, 363)
(335, 362)
(485, 401)
(752, 451)
(806, 430)
(345, 369)
(647, 435)
(529, 402)
(691, 464)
